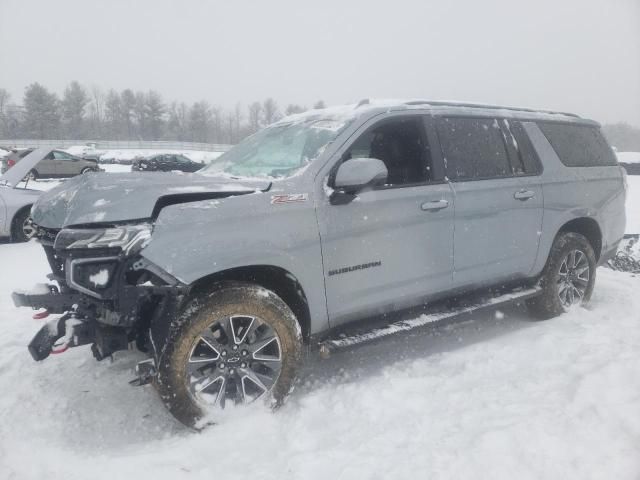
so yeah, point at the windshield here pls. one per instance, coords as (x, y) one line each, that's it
(277, 151)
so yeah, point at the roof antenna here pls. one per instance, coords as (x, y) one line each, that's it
(364, 101)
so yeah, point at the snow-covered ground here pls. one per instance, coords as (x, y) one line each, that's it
(628, 157)
(499, 396)
(633, 204)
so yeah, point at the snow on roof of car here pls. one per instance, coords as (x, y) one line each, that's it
(342, 113)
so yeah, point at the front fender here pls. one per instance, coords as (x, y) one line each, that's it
(194, 240)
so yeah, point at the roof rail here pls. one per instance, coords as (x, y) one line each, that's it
(490, 107)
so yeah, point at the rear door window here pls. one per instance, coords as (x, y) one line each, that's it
(578, 145)
(473, 148)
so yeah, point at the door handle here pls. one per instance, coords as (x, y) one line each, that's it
(524, 195)
(434, 205)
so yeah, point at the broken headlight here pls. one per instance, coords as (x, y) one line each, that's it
(129, 238)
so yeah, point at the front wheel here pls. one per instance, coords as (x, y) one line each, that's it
(568, 278)
(233, 346)
(21, 229)
(87, 170)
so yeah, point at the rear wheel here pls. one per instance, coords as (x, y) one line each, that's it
(21, 228)
(236, 345)
(32, 175)
(568, 278)
(87, 170)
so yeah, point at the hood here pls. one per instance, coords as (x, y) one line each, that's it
(15, 174)
(120, 197)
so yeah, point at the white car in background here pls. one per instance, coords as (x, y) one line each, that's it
(15, 201)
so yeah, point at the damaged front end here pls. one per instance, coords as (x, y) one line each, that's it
(105, 292)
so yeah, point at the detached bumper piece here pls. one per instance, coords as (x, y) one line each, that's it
(58, 335)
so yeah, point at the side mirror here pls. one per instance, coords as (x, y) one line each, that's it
(359, 173)
(355, 175)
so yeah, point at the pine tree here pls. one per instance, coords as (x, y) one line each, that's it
(74, 101)
(42, 113)
(200, 121)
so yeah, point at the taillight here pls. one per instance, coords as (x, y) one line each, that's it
(10, 163)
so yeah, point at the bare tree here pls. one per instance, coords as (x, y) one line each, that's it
(255, 117)
(113, 114)
(140, 115)
(217, 134)
(270, 109)
(293, 108)
(155, 109)
(237, 115)
(128, 105)
(178, 121)
(200, 121)
(96, 112)
(5, 97)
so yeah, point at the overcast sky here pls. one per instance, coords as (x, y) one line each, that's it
(575, 55)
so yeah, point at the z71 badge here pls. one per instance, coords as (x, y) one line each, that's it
(289, 198)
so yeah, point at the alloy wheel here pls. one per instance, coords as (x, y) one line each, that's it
(27, 229)
(573, 278)
(235, 359)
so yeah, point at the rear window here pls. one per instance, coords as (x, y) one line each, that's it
(473, 148)
(578, 145)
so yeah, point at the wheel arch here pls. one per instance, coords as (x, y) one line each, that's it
(280, 281)
(589, 228)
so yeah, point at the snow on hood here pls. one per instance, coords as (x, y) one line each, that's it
(16, 174)
(114, 197)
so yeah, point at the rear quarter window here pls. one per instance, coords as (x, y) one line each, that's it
(527, 161)
(578, 145)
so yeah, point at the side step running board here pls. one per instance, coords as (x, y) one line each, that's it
(428, 318)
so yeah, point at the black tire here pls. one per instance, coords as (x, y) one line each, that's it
(87, 170)
(557, 292)
(201, 316)
(18, 232)
(33, 175)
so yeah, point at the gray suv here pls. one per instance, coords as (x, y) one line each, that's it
(314, 229)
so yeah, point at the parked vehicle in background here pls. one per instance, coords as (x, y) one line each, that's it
(316, 223)
(57, 164)
(4, 151)
(630, 161)
(166, 162)
(14, 157)
(16, 202)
